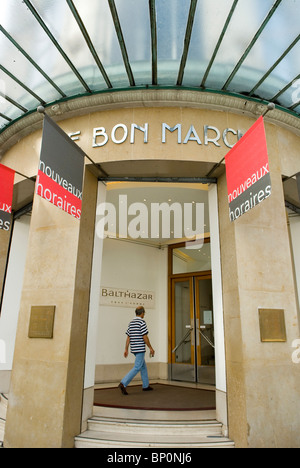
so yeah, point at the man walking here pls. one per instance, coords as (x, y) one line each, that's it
(137, 337)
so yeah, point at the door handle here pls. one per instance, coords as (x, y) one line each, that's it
(182, 341)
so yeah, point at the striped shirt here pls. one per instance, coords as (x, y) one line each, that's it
(136, 330)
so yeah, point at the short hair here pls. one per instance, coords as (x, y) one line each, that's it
(140, 310)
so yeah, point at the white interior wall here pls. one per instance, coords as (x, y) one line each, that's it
(295, 236)
(221, 383)
(92, 338)
(12, 296)
(137, 267)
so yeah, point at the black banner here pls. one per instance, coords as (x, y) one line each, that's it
(5, 220)
(61, 167)
(251, 197)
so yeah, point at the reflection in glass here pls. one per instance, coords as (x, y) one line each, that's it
(187, 260)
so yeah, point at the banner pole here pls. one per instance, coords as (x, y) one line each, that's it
(271, 106)
(285, 179)
(98, 167)
(25, 177)
(42, 110)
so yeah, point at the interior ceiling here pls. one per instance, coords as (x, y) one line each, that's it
(53, 50)
(160, 169)
(291, 194)
(137, 206)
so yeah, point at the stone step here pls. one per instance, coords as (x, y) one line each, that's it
(3, 411)
(3, 406)
(123, 428)
(93, 439)
(2, 429)
(132, 426)
(154, 415)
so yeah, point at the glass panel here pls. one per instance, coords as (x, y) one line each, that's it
(205, 332)
(292, 95)
(22, 69)
(193, 332)
(284, 73)
(25, 29)
(3, 122)
(267, 50)
(183, 353)
(17, 93)
(209, 21)
(187, 260)
(297, 109)
(172, 17)
(97, 18)
(59, 19)
(246, 21)
(206, 323)
(137, 38)
(183, 343)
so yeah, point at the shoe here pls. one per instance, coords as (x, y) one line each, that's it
(123, 389)
(148, 389)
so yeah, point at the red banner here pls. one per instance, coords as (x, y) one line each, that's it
(7, 178)
(248, 172)
(54, 193)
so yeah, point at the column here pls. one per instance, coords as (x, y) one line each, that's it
(262, 381)
(221, 388)
(12, 297)
(45, 399)
(92, 334)
(4, 245)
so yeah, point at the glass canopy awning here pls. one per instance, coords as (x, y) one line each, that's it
(53, 50)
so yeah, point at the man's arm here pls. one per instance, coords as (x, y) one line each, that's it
(147, 341)
(126, 347)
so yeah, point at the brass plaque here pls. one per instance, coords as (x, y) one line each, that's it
(272, 325)
(41, 322)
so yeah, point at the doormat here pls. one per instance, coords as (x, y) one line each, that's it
(162, 398)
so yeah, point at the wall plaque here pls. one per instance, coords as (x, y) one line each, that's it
(272, 325)
(41, 322)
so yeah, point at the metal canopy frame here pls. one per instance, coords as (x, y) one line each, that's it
(106, 74)
(152, 10)
(58, 47)
(29, 58)
(252, 43)
(89, 42)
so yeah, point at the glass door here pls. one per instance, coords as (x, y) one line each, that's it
(183, 336)
(205, 331)
(193, 357)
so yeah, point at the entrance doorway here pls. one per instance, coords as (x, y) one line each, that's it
(192, 319)
(143, 265)
(137, 264)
